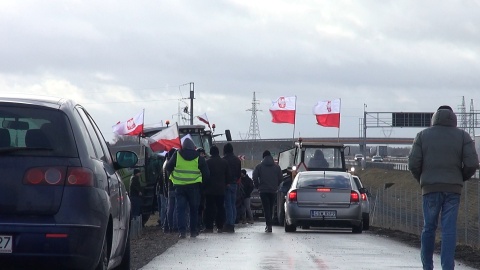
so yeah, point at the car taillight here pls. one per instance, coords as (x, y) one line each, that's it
(323, 189)
(56, 176)
(78, 176)
(45, 176)
(292, 196)
(364, 197)
(354, 196)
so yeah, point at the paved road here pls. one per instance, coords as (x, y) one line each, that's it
(251, 248)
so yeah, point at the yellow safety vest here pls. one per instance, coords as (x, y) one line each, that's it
(186, 172)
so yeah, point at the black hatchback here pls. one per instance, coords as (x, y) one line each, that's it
(62, 203)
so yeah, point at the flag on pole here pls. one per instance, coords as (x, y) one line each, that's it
(166, 139)
(283, 110)
(204, 119)
(131, 127)
(328, 113)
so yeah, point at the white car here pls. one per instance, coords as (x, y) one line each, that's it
(377, 159)
(358, 157)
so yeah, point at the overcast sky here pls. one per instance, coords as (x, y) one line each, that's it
(118, 58)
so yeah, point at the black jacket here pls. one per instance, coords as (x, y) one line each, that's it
(267, 175)
(248, 186)
(219, 175)
(235, 166)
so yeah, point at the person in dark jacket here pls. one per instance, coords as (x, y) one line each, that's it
(235, 166)
(214, 189)
(267, 176)
(136, 193)
(441, 159)
(187, 169)
(246, 211)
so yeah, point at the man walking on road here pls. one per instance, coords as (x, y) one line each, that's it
(441, 159)
(187, 169)
(235, 166)
(267, 176)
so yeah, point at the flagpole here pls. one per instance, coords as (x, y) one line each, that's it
(339, 111)
(294, 121)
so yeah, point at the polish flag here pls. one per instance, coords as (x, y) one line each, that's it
(328, 113)
(165, 140)
(131, 127)
(283, 110)
(204, 119)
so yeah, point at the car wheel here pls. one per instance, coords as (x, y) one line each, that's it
(103, 262)
(366, 222)
(289, 228)
(357, 229)
(125, 264)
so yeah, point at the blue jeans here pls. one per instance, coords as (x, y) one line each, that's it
(444, 204)
(171, 224)
(187, 196)
(162, 210)
(230, 204)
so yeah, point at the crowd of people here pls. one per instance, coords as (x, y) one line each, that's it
(200, 193)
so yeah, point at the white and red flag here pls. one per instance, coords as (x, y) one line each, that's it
(204, 119)
(131, 127)
(283, 110)
(165, 139)
(327, 113)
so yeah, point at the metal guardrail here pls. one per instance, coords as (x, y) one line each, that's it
(401, 209)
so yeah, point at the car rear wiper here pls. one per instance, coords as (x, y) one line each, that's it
(20, 149)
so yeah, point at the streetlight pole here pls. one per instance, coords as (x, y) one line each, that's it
(364, 135)
(192, 97)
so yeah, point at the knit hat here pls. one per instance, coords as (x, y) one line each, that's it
(266, 153)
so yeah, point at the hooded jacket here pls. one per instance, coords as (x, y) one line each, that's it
(189, 153)
(267, 175)
(442, 156)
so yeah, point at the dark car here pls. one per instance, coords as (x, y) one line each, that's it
(62, 203)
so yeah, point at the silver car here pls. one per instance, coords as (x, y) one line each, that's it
(365, 202)
(323, 199)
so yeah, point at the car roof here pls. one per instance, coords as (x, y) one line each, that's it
(47, 101)
(330, 173)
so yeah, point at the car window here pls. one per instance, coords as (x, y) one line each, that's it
(36, 128)
(91, 134)
(337, 181)
(357, 182)
(107, 157)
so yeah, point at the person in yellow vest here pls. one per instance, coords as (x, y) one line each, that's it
(188, 169)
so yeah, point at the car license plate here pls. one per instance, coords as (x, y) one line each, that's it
(6, 243)
(257, 211)
(320, 214)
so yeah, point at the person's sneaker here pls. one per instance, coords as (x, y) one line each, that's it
(193, 235)
(182, 235)
(229, 228)
(208, 231)
(220, 230)
(268, 228)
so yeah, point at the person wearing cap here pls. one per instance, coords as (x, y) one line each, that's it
(187, 169)
(136, 193)
(442, 157)
(266, 177)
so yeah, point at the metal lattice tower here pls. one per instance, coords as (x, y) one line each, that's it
(254, 130)
(472, 121)
(462, 124)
